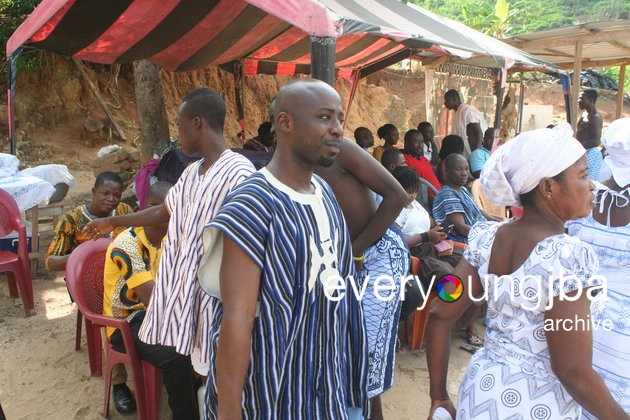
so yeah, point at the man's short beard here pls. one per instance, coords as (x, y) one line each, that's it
(325, 162)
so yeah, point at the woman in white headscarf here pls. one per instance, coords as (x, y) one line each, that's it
(607, 229)
(536, 360)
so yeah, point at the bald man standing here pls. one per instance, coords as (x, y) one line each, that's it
(284, 344)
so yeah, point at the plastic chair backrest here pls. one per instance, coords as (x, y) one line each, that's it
(423, 194)
(84, 275)
(10, 219)
(484, 202)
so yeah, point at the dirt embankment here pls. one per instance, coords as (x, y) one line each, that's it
(53, 104)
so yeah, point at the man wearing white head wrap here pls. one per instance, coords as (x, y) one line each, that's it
(517, 167)
(607, 229)
(538, 282)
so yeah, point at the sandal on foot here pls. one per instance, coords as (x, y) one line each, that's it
(474, 340)
(470, 348)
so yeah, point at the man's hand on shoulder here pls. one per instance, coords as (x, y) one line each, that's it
(98, 227)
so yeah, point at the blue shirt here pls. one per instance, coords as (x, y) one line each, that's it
(448, 201)
(478, 158)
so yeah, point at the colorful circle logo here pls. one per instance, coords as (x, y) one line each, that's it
(455, 281)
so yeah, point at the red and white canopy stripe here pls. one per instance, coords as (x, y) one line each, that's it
(182, 35)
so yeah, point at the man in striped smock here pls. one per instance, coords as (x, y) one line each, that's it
(284, 345)
(178, 312)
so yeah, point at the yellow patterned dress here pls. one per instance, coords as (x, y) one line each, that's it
(68, 232)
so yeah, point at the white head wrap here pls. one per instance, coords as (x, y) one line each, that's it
(518, 166)
(617, 144)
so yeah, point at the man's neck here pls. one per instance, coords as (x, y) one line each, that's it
(155, 235)
(211, 150)
(295, 175)
(414, 155)
(97, 215)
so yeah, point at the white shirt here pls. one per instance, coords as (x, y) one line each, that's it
(427, 151)
(465, 115)
(413, 220)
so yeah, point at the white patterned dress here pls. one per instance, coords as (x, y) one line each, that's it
(611, 347)
(511, 376)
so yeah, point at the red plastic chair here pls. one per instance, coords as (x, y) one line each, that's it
(17, 266)
(84, 277)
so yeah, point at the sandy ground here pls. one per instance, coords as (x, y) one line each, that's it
(42, 377)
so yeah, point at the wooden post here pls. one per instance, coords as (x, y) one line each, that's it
(354, 84)
(521, 106)
(622, 80)
(429, 72)
(99, 98)
(34, 254)
(575, 89)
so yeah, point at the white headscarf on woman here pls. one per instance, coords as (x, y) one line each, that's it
(617, 144)
(518, 166)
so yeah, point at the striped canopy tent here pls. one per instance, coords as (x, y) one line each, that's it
(326, 38)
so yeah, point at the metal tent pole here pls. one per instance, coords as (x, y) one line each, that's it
(566, 90)
(11, 101)
(323, 58)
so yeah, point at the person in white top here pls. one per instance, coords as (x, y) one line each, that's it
(464, 114)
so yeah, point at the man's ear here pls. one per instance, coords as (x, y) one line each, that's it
(197, 123)
(93, 190)
(284, 122)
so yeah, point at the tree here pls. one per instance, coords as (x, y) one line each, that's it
(151, 110)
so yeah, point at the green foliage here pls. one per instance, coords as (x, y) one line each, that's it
(613, 73)
(504, 18)
(12, 14)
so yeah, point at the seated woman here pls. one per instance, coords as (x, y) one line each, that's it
(421, 235)
(533, 364)
(455, 203)
(388, 133)
(420, 232)
(429, 148)
(450, 144)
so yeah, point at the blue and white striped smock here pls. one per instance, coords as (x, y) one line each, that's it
(448, 201)
(178, 312)
(309, 353)
(611, 347)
